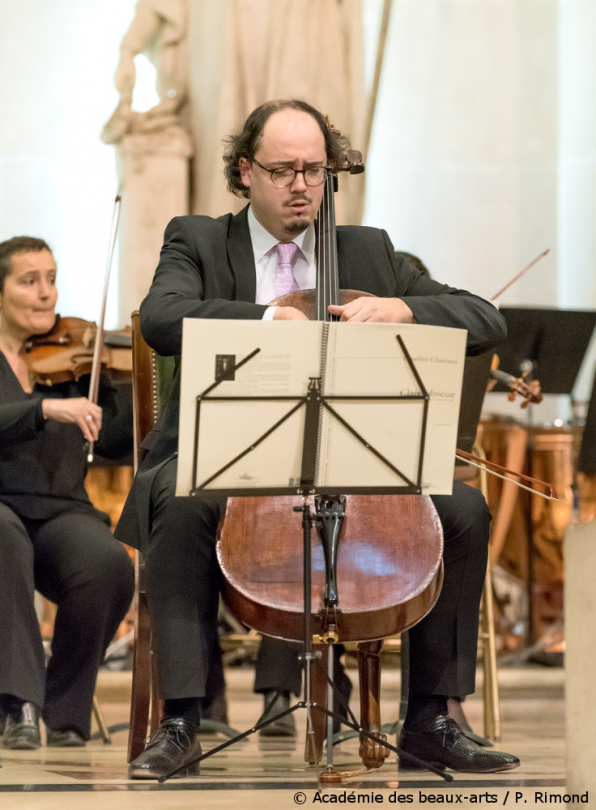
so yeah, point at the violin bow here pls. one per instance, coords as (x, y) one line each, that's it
(97, 349)
(491, 468)
(520, 274)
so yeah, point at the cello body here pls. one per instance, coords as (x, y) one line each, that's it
(387, 579)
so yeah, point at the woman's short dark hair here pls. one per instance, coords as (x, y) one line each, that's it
(244, 144)
(18, 244)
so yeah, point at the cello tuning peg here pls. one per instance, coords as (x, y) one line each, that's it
(354, 161)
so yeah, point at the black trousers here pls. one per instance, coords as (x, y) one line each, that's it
(74, 561)
(183, 585)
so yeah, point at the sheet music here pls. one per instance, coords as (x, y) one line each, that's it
(289, 355)
(358, 359)
(367, 359)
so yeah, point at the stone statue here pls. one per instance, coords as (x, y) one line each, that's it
(153, 147)
(159, 30)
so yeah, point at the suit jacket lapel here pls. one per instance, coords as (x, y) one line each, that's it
(241, 256)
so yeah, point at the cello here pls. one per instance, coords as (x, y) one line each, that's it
(376, 561)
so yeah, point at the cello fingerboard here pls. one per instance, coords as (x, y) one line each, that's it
(327, 265)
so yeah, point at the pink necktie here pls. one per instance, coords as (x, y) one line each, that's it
(284, 278)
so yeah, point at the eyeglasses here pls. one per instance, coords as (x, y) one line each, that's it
(284, 177)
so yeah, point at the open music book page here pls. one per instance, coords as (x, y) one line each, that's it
(362, 360)
(289, 355)
(366, 359)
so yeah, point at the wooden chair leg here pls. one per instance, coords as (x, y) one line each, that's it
(369, 667)
(314, 742)
(141, 681)
(156, 703)
(490, 690)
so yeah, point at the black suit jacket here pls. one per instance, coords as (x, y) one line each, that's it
(207, 270)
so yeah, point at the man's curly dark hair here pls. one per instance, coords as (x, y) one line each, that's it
(245, 143)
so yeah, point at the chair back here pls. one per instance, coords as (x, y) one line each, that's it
(152, 377)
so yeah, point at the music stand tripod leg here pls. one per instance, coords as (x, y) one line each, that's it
(330, 776)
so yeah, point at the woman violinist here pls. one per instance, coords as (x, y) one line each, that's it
(51, 538)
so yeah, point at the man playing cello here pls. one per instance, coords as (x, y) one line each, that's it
(231, 267)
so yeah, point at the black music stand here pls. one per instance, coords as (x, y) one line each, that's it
(314, 402)
(549, 343)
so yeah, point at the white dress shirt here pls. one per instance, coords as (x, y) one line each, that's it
(263, 246)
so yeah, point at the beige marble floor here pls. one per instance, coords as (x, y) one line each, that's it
(273, 775)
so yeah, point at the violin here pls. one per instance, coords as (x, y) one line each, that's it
(518, 386)
(74, 347)
(66, 352)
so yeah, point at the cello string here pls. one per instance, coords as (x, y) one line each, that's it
(335, 289)
(320, 259)
(318, 267)
(328, 246)
(324, 255)
(323, 313)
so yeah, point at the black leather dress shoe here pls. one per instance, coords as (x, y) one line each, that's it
(443, 744)
(64, 739)
(285, 726)
(174, 744)
(21, 730)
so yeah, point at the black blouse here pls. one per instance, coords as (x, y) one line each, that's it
(43, 462)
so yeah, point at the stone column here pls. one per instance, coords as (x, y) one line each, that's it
(154, 176)
(580, 657)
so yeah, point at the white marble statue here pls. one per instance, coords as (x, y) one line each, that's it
(153, 147)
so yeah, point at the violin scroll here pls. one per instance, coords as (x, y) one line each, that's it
(529, 391)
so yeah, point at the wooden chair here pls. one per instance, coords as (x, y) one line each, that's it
(152, 382)
(152, 377)
(476, 377)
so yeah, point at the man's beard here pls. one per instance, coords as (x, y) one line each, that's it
(299, 223)
(296, 226)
